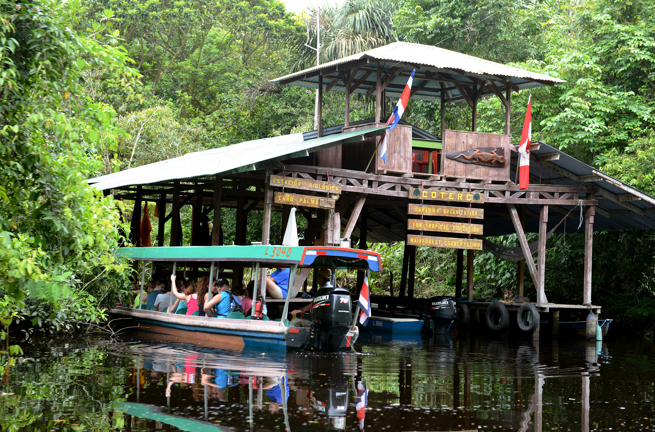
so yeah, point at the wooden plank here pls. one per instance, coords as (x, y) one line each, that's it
(448, 211)
(439, 226)
(541, 257)
(304, 200)
(354, 216)
(304, 184)
(524, 243)
(444, 242)
(448, 196)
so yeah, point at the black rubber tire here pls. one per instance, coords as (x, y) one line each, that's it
(523, 315)
(463, 315)
(497, 317)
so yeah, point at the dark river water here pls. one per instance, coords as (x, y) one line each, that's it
(463, 384)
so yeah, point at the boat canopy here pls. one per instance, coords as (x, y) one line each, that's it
(276, 256)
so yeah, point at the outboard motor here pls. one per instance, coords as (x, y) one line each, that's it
(332, 315)
(442, 310)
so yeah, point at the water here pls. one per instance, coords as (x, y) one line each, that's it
(409, 385)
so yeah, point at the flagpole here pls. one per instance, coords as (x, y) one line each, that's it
(375, 152)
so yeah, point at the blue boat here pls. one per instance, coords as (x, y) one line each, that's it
(392, 325)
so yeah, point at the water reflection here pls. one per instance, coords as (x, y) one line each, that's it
(437, 385)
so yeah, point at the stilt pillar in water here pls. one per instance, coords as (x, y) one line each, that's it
(555, 331)
(469, 273)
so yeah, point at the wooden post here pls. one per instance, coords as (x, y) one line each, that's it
(354, 217)
(363, 238)
(136, 214)
(442, 110)
(412, 272)
(459, 273)
(403, 274)
(378, 94)
(195, 217)
(242, 222)
(588, 252)
(525, 247)
(161, 225)
(319, 128)
(520, 274)
(469, 273)
(508, 106)
(175, 219)
(268, 205)
(346, 120)
(218, 194)
(541, 258)
(555, 330)
(586, 383)
(474, 113)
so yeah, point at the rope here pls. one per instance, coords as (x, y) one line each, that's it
(515, 254)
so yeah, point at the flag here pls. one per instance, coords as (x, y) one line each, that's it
(364, 302)
(524, 149)
(397, 113)
(360, 406)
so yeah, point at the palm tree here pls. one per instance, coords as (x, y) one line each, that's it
(356, 26)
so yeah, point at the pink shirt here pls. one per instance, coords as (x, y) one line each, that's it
(192, 304)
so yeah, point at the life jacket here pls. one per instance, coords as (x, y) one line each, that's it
(235, 303)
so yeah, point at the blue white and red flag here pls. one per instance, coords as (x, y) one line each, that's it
(364, 303)
(397, 113)
(524, 149)
(360, 406)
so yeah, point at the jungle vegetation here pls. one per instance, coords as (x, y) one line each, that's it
(88, 88)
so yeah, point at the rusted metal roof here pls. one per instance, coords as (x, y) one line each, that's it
(432, 64)
(246, 156)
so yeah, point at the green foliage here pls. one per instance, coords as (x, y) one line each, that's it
(635, 166)
(57, 233)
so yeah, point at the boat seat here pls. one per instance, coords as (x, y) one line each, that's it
(143, 307)
(181, 311)
(152, 308)
(264, 318)
(196, 313)
(235, 315)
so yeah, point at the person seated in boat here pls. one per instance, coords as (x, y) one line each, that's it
(246, 299)
(189, 296)
(221, 298)
(277, 284)
(189, 288)
(147, 289)
(152, 296)
(324, 280)
(163, 301)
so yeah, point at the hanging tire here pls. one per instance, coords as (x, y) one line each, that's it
(527, 318)
(497, 317)
(463, 315)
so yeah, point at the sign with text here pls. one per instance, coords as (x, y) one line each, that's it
(444, 242)
(437, 195)
(435, 210)
(305, 184)
(303, 200)
(451, 227)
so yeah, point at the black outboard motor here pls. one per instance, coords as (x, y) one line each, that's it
(331, 315)
(442, 311)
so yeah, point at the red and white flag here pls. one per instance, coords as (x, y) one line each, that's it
(524, 149)
(364, 303)
(362, 402)
(397, 113)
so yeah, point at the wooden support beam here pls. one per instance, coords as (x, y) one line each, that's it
(403, 274)
(241, 222)
(334, 82)
(354, 216)
(418, 88)
(175, 212)
(412, 272)
(360, 80)
(195, 218)
(541, 257)
(474, 115)
(394, 73)
(588, 253)
(378, 94)
(465, 95)
(459, 273)
(525, 247)
(442, 114)
(161, 225)
(324, 71)
(346, 120)
(520, 275)
(470, 268)
(319, 108)
(508, 111)
(136, 214)
(218, 194)
(494, 88)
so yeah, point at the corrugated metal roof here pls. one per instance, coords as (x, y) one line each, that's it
(426, 59)
(226, 160)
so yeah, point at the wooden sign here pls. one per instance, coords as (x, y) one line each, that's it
(305, 184)
(303, 200)
(444, 242)
(437, 195)
(435, 210)
(450, 227)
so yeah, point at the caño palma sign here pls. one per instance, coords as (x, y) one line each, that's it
(304, 200)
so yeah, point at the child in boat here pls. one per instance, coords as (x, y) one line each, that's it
(191, 298)
(152, 296)
(277, 284)
(144, 297)
(163, 300)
